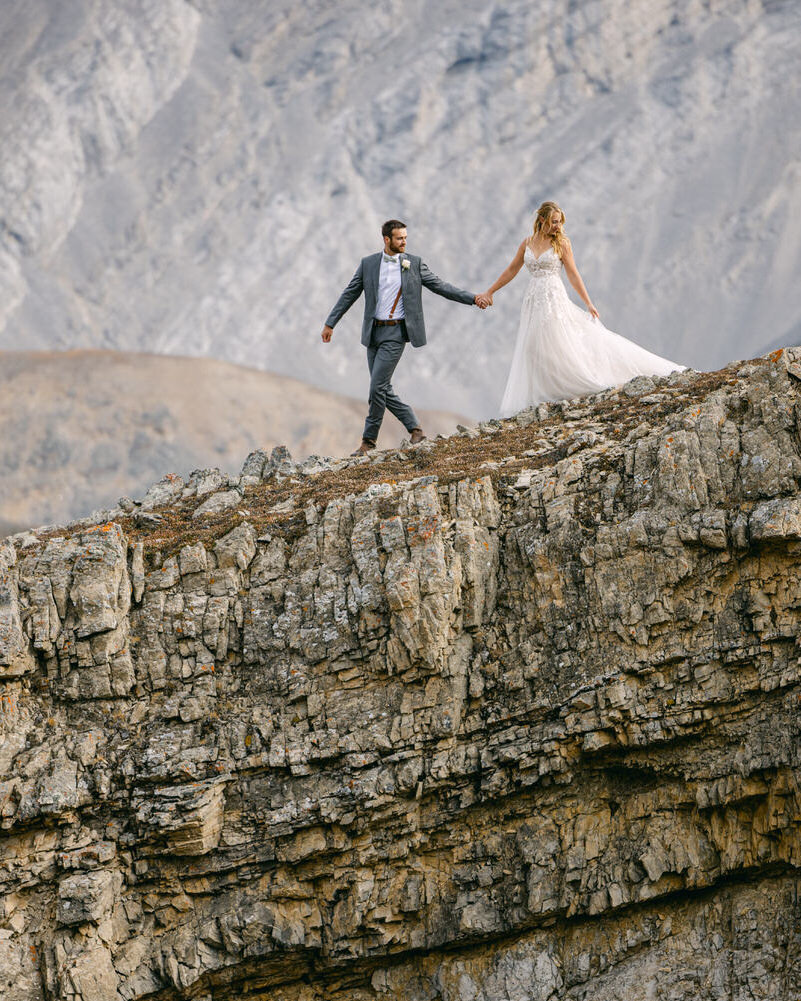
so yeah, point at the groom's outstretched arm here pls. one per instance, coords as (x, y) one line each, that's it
(435, 284)
(353, 290)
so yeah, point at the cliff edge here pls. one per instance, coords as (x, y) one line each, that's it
(512, 715)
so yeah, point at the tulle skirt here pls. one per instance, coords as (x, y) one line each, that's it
(562, 351)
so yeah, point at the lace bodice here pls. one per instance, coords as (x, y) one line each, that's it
(548, 263)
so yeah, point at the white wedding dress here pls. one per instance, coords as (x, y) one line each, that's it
(561, 350)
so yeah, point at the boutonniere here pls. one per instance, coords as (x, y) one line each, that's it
(406, 263)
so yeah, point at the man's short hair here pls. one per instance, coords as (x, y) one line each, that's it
(390, 224)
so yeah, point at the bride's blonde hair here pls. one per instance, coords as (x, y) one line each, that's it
(541, 220)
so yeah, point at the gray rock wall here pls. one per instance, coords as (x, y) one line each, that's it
(527, 730)
(202, 178)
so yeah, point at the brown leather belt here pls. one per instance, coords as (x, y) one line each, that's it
(387, 323)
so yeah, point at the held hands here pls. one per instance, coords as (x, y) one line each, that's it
(327, 334)
(483, 300)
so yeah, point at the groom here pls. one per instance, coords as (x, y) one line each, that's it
(392, 283)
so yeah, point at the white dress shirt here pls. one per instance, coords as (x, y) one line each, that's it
(389, 281)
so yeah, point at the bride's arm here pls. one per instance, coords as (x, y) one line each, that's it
(506, 276)
(575, 278)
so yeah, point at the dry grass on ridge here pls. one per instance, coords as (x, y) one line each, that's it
(448, 459)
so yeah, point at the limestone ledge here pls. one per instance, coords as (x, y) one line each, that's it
(503, 737)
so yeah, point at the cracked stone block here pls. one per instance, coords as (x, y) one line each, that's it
(86, 896)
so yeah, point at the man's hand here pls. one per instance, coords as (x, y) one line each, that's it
(328, 333)
(483, 300)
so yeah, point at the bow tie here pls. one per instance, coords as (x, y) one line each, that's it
(391, 260)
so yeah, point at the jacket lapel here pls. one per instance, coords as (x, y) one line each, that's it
(375, 274)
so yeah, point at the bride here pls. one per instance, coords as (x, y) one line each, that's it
(561, 350)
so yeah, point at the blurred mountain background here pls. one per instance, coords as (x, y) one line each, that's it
(191, 178)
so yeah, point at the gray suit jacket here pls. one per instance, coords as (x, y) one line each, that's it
(413, 279)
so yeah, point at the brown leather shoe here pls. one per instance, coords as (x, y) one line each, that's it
(417, 436)
(365, 447)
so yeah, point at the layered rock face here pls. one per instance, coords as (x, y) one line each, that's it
(520, 722)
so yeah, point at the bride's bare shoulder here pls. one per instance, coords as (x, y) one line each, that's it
(520, 252)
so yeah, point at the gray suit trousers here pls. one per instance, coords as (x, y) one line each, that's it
(383, 354)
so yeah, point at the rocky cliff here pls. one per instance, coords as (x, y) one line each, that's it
(512, 715)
